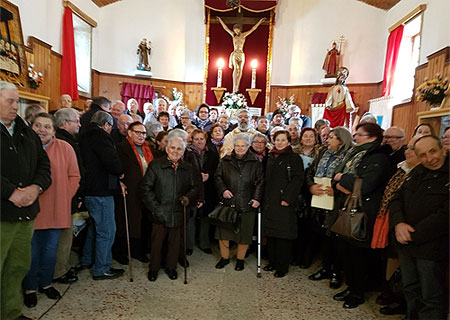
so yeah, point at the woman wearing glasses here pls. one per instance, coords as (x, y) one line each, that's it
(135, 156)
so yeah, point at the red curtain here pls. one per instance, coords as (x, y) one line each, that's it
(141, 92)
(69, 84)
(393, 47)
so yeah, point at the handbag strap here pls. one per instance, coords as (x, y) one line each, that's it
(233, 203)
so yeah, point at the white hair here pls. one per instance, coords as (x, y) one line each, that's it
(172, 139)
(241, 136)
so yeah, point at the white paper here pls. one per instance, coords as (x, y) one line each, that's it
(323, 201)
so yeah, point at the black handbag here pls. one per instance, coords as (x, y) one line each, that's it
(224, 216)
(352, 221)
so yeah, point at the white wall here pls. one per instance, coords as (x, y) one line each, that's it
(436, 23)
(305, 29)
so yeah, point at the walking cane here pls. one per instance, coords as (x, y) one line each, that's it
(130, 269)
(258, 274)
(184, 236)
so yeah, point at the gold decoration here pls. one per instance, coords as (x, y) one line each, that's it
(253, 93)
(218, 92)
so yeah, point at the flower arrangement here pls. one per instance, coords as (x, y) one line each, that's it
(34, 78)
(177, 98)
(284, 103)
(234, 101)
(433, 91)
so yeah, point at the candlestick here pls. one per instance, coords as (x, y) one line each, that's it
(220, 64)
(254, 64)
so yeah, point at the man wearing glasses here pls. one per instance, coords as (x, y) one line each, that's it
(243, 127)
(100, 184)
(395, 138)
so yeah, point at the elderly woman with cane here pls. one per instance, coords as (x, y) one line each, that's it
(167, 187)
(239, 180)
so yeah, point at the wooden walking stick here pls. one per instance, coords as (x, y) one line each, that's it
(130, 268)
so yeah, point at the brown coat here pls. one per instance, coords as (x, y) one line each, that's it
(132, 179)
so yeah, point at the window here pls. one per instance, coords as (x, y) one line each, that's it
(82, 32)
(408, 60)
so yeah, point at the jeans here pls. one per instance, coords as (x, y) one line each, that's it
(423, 287)
(100, 234)
(44, 247)
(15, 253)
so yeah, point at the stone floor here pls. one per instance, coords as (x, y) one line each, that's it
(209, 294)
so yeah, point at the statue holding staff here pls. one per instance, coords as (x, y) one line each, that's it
(237, 57)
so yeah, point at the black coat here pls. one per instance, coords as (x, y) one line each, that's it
(162, 188)
(244, 178)
(102, 164)
(282, 184)
(423, 203)
(374, 170)
(23, 162)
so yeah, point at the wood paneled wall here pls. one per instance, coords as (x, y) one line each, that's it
(362, 94)
(405, 115)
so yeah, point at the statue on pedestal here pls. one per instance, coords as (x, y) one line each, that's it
(332, 60)
(143, 51)
(237, 57)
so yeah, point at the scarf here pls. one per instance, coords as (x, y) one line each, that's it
(277, 152)
(202, 123)
(354, 157)
(392, 187)
(145, 149)
(328, 163)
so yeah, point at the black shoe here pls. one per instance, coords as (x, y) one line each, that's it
(304, 266)
(122, 260)
(81, 267)
(341, 296)
(181, 262)
(392, 309)
(189, 252)
(320, 275)
(279, 274)
(269, 268)
(111, 274)
(22, 317)
(30, 299)
(51, 293)
(69, 277)
(352, 301)
(173, 275)
(207, 250)
(152, 275)
(222, 263)
(239, 265)
(335, 281)
(385, 298)
(143, 258)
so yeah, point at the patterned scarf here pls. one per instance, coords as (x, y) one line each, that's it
(145, 149)
(328, 163)
(202, 123)
(354, 157)
(392, 187)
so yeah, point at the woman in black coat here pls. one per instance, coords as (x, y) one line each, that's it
(285, 172)
(367, 160)
(239, 180)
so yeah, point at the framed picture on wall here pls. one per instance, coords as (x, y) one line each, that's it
(13, 64)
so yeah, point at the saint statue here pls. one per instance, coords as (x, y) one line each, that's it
(143, 50)
(237, 57)
(339, 103)
(331, 63)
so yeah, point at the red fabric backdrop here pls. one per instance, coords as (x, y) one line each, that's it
(393, 47)
(141, 92)
(221, 45)
(69, 84)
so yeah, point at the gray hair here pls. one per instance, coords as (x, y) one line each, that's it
(173, 138)
(368, 117)
(294, 108)
(157, 102)
(399, 129)
(292, 119)
(242, 136)
(242, 111)
(101, 117)
(186, 112)
(6, 86)
(65, 114)
(117, 101)
(153, 129)
(223, 116)
(46, 116)
(32, 110)
(275, 129)
(344, 135)
(321, 122)
(259, 135)
(179, 133)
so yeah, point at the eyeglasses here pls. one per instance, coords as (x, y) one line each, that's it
(203, 112)
(446, 137)
(185, 118)
(74, 121)
(142, 133)
(360, 135)
(393, 137)
(259, 142)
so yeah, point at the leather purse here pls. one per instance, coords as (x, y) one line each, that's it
(224, 216)
(352, 221)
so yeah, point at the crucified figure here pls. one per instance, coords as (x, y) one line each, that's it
(237, 57)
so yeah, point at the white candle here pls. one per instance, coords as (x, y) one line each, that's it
(219, 78)
(254, 64)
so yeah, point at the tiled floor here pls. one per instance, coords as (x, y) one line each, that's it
(209, 294)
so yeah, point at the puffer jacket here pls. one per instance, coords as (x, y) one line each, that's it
(244, 178)
(162, 188)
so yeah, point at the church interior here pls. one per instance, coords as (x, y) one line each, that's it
(186, 49)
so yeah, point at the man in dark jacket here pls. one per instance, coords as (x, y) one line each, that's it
(168, 185)
(25, 170)
(67, 127)
(419, 215)
(98, 104)
(99, 185)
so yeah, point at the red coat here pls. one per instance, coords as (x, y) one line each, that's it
(55, 202)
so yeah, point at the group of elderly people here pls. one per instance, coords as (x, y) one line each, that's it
(164, 173)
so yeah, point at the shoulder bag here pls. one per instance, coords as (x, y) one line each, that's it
(224, 216)
(352, 221)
